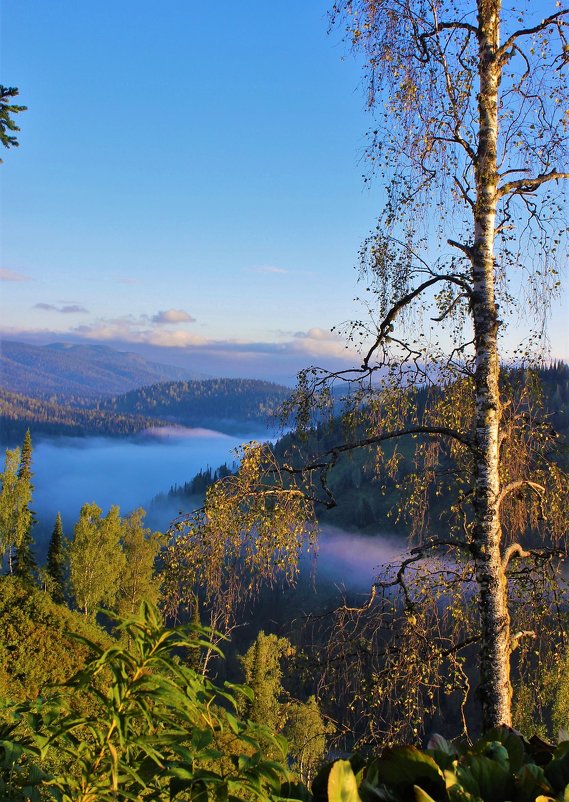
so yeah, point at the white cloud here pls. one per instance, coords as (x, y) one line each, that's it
(173, 316)
(303, 347)
(133, 330)
(65, 309)
(267, 269)
(318, 342)
(10, 275)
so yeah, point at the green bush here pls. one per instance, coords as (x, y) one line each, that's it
(500, 767)
(159, 730)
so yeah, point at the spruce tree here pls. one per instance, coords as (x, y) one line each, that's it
(55, 562)
(25, 565)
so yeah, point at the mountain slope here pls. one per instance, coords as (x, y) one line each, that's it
(20, 412)
(209, 402)
(64, 369)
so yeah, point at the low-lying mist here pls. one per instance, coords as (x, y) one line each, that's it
(68, 472)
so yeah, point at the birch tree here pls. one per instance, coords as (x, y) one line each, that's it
(15, 496)
(470, 133)
(96, 560)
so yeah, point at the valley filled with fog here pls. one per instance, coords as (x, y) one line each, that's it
(131, 472)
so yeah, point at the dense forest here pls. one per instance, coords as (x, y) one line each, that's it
(228, 405)
(20, 412)
(364, 499)
(287, 635)
(212, 402)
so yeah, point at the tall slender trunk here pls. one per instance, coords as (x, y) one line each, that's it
(495, 688)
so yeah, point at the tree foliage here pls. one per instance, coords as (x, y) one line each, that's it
(251, 532)
(96, 561)
(158, 730)
(55, 567)
(138, 581)
(15, 515)
(470, 136)
(8, 109)
(301, 722)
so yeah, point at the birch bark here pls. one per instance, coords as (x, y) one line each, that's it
(495, 687)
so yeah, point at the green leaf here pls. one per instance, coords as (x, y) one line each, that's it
(557, 771)
(342, 785)
(406, 766)
(493, 779)
(509, 739)
(530, 782)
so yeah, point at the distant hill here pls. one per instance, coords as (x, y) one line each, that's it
(66, 370)
(41, 416)
(214, 403)
(229, 405)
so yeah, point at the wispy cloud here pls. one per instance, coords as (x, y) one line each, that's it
(10, 275)
(316, 345)
(173, 316)
(66, 309)
(266, 269)
(128, 280)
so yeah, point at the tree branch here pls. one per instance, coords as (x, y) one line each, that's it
(466, 249)
(552, 20)
(509, 488)
(529, 184)
(322, 463)
(514, 549)
(445, 26)
(524, 633)
(449, 308)
(386, 326)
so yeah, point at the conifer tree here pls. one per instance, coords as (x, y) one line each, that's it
(25, 565)
(55, 562)
(7, 111)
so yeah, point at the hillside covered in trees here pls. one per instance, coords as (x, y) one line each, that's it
(64, 370)
(228, 405)
(210, 402)
(368, 500)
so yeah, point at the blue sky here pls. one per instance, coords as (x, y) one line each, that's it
(189, 181)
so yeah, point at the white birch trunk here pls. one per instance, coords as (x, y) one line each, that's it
(495, 687)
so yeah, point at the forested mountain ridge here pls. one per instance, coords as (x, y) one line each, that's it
(65, 369)
(19, 413)
(364, 500)
(205, 402)
(229, 405)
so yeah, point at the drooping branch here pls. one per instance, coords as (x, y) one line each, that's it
(326, 460)
(449, 308)
(386, 325)
(516, 485)
(529, 184)
(444, 26)
(554, 19)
